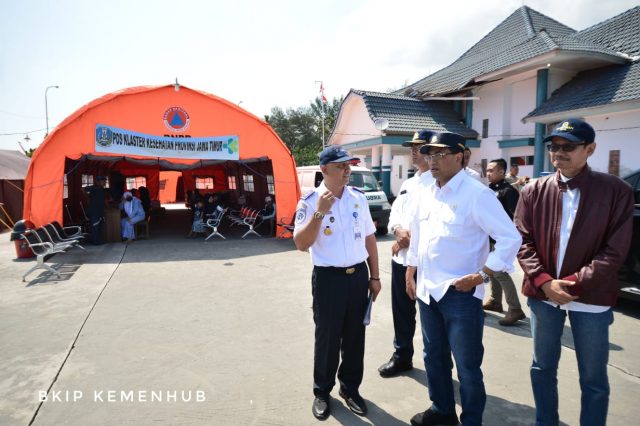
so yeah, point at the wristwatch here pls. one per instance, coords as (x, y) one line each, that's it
(485, 277)
(318, 215)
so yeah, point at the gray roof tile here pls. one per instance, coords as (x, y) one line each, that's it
(407, 115)
(593, 88)
(523, 35)
(620, 33)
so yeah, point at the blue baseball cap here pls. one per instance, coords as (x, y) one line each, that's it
(573, 130)
(419, 138)
(335, 154)
(453, 141)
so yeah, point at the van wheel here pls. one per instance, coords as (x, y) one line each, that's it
(381, 230)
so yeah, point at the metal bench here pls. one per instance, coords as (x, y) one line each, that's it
(41, 250)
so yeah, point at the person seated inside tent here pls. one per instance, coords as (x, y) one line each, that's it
(268, 213)
(212, 202)
(133, 213)
(197, 226)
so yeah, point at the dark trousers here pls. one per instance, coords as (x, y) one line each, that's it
(339, 305)
(454, 325)
(95, 225)
(404, 314)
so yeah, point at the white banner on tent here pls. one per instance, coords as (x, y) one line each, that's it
(120, 141)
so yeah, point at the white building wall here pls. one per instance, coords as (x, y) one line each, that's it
(400, 166)
(354, 123)
(504, 103)
(617, 131)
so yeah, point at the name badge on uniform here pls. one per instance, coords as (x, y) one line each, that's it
(356, 228)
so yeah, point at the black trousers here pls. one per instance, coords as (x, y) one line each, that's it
(96, 224)
(339, 306)
(404, 314)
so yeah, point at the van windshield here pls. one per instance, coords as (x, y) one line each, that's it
(364, 181)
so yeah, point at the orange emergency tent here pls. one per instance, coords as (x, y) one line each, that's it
(193, 131)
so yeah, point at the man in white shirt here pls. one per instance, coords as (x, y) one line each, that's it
(449, 249)
(333, 222)
(402, 306)
(471, 172)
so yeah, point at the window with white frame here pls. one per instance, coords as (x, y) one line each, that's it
(271, 186)
(232, 182)
(135, 182)
(87, 180)
(204, 183)
(247, 183)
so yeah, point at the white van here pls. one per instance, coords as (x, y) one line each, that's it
(310, 177)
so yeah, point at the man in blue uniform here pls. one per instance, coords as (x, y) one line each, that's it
(333, 222)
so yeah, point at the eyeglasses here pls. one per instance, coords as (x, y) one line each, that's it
(438, 156)
(567, 147)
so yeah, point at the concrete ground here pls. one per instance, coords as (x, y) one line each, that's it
(228, 325)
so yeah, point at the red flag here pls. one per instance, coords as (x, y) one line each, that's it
(322, 97)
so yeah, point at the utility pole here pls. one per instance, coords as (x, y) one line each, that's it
(46, 107)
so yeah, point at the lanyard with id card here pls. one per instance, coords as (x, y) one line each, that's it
(356, 227)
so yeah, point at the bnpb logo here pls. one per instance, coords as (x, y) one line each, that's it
(176, 119)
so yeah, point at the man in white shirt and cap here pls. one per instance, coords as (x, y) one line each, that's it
(402, 306)
(449, 249)
(333, 222)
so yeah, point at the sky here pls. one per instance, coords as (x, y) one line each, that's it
(258, 54)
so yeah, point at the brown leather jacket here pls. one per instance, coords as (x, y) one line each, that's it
(599, 239)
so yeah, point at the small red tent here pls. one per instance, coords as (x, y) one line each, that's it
(142, 131)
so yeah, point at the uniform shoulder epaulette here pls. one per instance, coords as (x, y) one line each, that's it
(307, 195)
(357, 189)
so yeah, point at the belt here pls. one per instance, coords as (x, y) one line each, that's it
(346, 270)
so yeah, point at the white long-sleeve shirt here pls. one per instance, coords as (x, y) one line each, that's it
(450, 235)
(570, 203)
(401, 210)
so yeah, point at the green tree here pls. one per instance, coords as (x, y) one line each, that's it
(301, 128)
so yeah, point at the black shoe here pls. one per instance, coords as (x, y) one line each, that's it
(321, 408)
(355, 403)
(432, 418)
(393, 367)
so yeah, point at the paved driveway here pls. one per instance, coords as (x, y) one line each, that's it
(186, 332)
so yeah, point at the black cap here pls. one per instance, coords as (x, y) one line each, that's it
(419, 138)
(335, 154)
(453, 141)
(99, 178)
(573, 130)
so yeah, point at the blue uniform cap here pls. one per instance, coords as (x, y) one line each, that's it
(573, 130)
(335, 154)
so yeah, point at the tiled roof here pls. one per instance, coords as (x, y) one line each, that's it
(523, 35)
(620, 33)
(407, 115)
(593, 88)
(607, 84)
